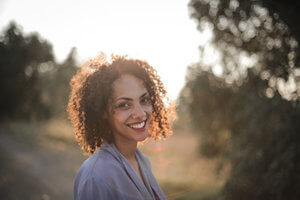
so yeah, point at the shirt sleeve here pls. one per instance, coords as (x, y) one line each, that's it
(93, 190)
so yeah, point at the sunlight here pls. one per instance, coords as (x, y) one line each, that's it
(217, 70)
(211, 55)
(159, 32)
(206, 34)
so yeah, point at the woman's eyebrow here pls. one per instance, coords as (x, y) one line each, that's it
(145, 94)
(124, 98)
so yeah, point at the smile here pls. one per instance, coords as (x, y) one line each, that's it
(138, 125)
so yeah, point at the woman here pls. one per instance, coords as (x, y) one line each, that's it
(113, 106)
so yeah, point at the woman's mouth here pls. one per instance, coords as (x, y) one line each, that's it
(140, 126)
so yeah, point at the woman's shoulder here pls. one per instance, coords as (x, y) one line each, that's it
(100, 167)
(92, 180)
(99, 163)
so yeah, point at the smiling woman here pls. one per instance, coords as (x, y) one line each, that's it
(113, 106)
(131, 110)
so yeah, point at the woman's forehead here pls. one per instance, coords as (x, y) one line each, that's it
(128, 85)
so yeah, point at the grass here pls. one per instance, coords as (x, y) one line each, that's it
(185, 192)
(181, 171)
(50, 147)
(17, 184)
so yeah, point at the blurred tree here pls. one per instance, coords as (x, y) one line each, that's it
(32, 85)
(244, 32)
(20, 57)
(245, 106)
(54, 84)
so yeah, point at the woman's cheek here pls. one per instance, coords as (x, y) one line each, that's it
(149, 109)
(126, 113)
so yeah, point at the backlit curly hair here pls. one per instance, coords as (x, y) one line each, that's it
(91, 89)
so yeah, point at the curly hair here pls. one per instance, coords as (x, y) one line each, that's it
(91, 89)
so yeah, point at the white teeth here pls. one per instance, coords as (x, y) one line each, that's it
(140, 125)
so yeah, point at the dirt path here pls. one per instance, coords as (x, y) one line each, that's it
(39, 161)
(37, 171)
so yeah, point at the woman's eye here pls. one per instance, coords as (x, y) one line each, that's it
(146, 100)
(123, 105)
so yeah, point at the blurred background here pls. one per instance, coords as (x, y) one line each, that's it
(230, 66)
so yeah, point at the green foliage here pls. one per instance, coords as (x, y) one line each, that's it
(55, 88)
(31, 83)
(248, 114)
(265, 146)
(20, 57)
(246, 28)
(206, 99)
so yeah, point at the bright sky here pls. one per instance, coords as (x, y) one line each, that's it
(159, 31)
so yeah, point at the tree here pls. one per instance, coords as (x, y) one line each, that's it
(33, 85)
(20, 57)
(54, 84)
(248, 113)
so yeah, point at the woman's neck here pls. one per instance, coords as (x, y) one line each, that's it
(126, 149)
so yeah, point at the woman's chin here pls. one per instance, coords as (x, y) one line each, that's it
(142, 137)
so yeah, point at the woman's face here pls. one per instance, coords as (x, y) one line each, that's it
(131, 109)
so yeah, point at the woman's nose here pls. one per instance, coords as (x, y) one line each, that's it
(138, 112)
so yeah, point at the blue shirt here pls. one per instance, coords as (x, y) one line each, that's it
(107, 175)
